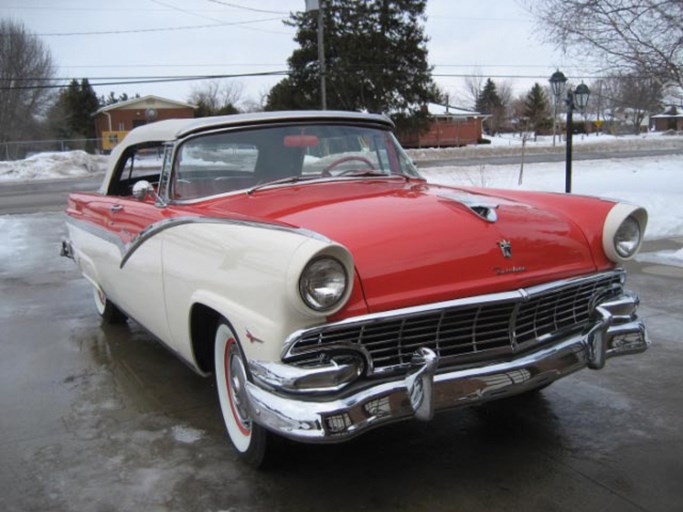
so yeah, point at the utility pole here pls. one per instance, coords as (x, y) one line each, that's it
(313, 5)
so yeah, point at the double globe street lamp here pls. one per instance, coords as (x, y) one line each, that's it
(578, 99)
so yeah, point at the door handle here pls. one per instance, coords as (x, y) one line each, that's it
(116, 208)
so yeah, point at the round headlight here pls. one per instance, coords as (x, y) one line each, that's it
(323, 283)
(627, 237)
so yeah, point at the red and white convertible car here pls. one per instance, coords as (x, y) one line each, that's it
(300, 258)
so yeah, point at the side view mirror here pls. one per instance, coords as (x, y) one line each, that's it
(142, 189)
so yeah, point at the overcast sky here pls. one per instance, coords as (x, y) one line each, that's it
(106, 41)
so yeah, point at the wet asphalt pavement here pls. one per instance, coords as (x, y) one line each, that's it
(104, 419)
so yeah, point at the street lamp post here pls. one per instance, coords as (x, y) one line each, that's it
(557, 84)
(577, 99)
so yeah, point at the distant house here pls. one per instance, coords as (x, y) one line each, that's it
(114, 121)
(450, 126)
(670, 119)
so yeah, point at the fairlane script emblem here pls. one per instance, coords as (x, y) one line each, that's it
(506, 248)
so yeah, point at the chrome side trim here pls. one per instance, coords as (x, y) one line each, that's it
(163, 225)
(127, 250)
(98, 231)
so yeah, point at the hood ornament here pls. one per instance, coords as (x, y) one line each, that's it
(481, 206)
(505, 248)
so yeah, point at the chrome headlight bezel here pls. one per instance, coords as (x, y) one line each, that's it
(623, 232)
(323, 283)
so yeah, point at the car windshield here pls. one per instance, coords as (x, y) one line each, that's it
(253, 158)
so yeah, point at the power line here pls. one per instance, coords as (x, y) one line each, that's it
(540, 77)
(137, 80)
(477, 18)
(214, 65)
(186, 11)
(162, 29)
(218, 64)
(128, 80)
(124, 9)
(477, 66)
(245, 8)
(211, 18)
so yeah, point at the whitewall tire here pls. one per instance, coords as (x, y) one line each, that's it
(249, 439)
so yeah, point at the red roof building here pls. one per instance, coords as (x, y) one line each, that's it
(450, 127)
(113, 122)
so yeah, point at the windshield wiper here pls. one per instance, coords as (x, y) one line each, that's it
(281, 181)
(360, 173)
(354, 174)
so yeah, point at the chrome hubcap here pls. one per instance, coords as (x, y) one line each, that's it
(237, 377)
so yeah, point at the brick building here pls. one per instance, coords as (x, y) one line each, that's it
(670, 119)
(450, 126)
(114, 121)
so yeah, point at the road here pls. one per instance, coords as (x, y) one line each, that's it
(533, 158)
(42, 195)
(50, 195)
(103, 418)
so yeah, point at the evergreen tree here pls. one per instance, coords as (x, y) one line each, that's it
(376, 59)
(537, 108)
(489, 102)
(76, 105)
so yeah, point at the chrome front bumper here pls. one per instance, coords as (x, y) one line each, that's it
(317, 418)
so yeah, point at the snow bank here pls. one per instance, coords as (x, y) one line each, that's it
(42, 166)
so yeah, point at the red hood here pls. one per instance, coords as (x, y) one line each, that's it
(414, 243)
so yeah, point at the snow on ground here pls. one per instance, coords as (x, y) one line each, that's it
(671, 258)
(42, 166)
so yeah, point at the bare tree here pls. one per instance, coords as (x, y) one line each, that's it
(644, 36)
(605, 102)
(216, 97)
(639, 97)
(474, 84)
(25, 69)
(506, 95)
(518, 117)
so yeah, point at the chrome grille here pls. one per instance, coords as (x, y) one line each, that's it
(462, 331)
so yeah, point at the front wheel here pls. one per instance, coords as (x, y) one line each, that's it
(249, 439)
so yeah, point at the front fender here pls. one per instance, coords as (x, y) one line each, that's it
(244, 273)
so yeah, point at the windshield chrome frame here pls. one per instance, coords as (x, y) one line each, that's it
(173, 148)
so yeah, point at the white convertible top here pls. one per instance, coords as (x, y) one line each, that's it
(171, 129)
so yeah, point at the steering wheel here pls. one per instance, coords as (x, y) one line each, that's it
(326, 170)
